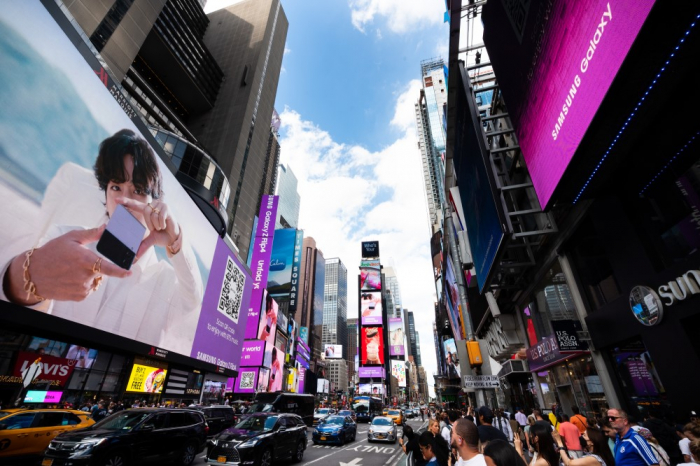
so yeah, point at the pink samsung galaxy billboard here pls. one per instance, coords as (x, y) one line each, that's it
(555, 61)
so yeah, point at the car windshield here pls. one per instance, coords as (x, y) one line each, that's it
(126, 420)
(261, 408)
(395, 412)
(335, 420)
(323, 411)
(4, 413)
(258, 423)
(380, 421)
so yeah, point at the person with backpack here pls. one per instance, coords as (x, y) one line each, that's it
(578, 420)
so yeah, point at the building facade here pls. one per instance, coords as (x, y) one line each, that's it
(337, 370)
(290, 201)
(335, 304)
(413, 338)
(311, 297)
(351, 349)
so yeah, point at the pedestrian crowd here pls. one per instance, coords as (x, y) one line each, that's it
(493, 437)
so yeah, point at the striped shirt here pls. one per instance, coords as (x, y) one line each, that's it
(633, 450)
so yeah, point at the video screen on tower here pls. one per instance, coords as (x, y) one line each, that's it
(372, 345)
(371, 307)
(370, 276)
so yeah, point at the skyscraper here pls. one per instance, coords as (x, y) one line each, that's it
(338, 374)
(335, 304)
(311, 289)
(288, 209)
(412, 340)
(430, 113)
(201, 83)
(392, 283)
(272, 161)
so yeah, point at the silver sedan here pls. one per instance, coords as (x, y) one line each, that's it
(382, 429)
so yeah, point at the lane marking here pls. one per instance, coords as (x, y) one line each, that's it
(334, 452)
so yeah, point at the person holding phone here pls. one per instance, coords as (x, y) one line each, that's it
(156, 301)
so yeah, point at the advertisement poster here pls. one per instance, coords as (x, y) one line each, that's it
(371, 308)
(147, 377)
(62, 113)
(372, 345)
(398, 370)
(219, 336)
(253, 353)
(304, 334)
(554, 71)
(333, 351)
(323, 386)
(247, 379)
(55, 371)
(452, 298)
(296, 270)
(260, 262)
(276, 370)
(396, 336)
(301, 379)
(214, 389)
(302, 362)
(370, 276)
(451, 359)
(370, 249)
(34, 396)
(372, 372)
(279, 280)
(263, 378)
(371, 389)
(293, 330)
(230, 382)
(268, 327)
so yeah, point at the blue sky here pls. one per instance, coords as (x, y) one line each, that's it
(346, 95)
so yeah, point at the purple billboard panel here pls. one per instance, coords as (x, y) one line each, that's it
(641, 378)
(247, 380)
(371, 372)
(260, 260)
(371, 308)
(219, 335)
(252, 353)
(301, 381)
(302, 362)
(554, 68)
(396, 336)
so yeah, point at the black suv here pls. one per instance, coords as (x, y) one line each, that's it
(218, 417)
(259, 439)
(134, 436)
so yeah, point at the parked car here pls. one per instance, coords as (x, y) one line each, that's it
(134, 436)
(335, 429)
(409, 413)
(382, 429)
(397, 416)
(218, 417)
(348, 412)
(321, 413)
(25, 434)
(260, 439)
(292, 403)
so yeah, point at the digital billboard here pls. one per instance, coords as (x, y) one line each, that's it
(333, 351)
(398, 370)
(372, 339)
(371, 372)
(268, 326)
(485, 218)
(276, 370)
(371, 307)
(147, 376)
(247, 380)
(260, 260)
(55, 371)
(371, 389)
(451, 296)
(555, 62)
(436, 253)
(36, 396)
(296, 270)
(263, 379)
(72, 139)
(396, 336)
(323, 386)
(370, 276)
(279, 280)
(253, 353)
(370, 249)
(451, 359)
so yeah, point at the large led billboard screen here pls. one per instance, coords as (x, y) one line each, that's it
(71, 146)
(370, 276)
(396, 335)
(371, 307)
(451, 359)
(371, 389)
(279, 280)
(555, 62)
(333, 351)
(398, 370)
(372, 346)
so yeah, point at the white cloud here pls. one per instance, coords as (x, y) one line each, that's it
(350, 194)
(287, 50)
(401, 15)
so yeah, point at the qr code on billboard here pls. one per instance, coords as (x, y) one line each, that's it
(231, 291)
(247, 380)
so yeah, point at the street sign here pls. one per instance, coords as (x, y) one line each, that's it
(481, 381)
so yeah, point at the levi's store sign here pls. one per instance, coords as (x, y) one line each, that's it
(54, 370)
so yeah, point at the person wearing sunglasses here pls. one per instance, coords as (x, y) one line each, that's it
(630, 448)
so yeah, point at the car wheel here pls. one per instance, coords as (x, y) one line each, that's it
(299, 456)
(266, 458)
(188, 454)
(115, 459)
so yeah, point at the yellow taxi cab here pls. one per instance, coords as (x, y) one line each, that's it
(385, 411)
(28, 432)
(396, 415)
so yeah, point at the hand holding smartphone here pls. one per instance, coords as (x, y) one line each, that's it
(121, 239)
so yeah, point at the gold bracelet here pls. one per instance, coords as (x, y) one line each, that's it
(29, 285)
(176, 245)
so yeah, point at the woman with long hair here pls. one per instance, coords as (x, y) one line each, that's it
(543, 444)
(502, 453)
(430, 451)
(596, 452)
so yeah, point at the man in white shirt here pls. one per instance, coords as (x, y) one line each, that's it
(465, 439)
(520, 417)
(502, 424)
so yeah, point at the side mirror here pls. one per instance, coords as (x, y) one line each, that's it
(148, 428)
(282, 428)
(3, 426)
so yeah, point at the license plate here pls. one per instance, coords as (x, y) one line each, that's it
(47, 462)
(323, 438)
(220, 459)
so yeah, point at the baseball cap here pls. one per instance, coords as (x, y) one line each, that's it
(485, 411)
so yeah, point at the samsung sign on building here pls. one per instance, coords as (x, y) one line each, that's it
(648, 305)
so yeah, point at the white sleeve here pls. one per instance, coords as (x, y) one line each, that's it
(446, 435)
(684, 445)
(510, 431)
